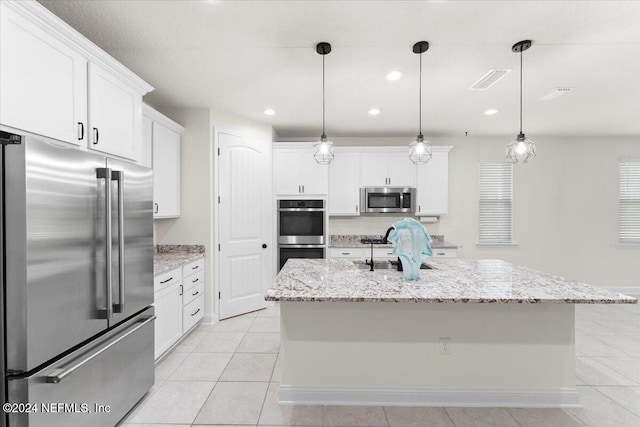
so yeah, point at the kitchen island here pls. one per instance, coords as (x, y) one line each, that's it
(468, 333)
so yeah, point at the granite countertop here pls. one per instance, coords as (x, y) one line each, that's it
(354, 241)
(449, 281)
(168, 257)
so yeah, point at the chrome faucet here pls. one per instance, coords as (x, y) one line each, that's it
(382, 241)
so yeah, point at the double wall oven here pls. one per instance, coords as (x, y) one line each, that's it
(301, 229)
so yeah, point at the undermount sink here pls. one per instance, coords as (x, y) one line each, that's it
(384, 265)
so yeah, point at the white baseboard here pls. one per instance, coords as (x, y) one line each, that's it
(415, 396)
(209, 319)
(632, 291)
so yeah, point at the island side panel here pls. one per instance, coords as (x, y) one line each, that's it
(390, 353)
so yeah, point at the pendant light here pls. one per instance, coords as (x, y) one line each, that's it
(522, 149)
(420, 152)
(324, 148)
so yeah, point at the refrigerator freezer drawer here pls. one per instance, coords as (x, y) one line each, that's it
(113, 372)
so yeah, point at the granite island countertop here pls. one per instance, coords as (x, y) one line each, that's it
(449, 281)
(168, 257)
(354, 241)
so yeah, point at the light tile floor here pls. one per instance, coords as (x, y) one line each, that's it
(228, 373)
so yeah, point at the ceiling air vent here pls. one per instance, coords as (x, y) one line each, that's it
(490, 78)
(556, 93)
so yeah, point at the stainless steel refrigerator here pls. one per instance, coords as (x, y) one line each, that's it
(77, 284)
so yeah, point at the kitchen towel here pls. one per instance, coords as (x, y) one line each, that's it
(411, 243)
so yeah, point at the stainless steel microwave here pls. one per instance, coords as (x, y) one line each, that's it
(387, 199)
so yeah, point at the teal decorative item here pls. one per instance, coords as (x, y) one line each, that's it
(411, 244)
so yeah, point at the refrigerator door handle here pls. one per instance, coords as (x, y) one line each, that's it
(58, 375)
(105, 173)
(119, 177)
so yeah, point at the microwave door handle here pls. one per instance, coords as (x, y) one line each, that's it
(105, 173)
(119, 177)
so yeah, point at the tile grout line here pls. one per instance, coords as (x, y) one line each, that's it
(616, 402)
(453, 423)
(386, 417)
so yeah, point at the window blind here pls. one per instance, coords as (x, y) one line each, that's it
(495, 194)
(630, 201)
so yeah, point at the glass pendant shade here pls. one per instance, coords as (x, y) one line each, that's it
(420, 150)
(521, 150)
(323, 151)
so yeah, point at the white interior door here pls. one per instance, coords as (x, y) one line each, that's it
(245, 222)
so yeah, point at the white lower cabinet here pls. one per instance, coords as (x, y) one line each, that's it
(168, 310)
(179, 303)
(382, 253)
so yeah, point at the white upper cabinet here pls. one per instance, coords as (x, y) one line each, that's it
(296, 172)
(56, 83)
(43, 82)
(388, 167)
(115, 115)
(165, 147)
(344, 183)
(433, 184)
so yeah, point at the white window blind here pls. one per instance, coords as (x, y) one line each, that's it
(496, 202)
(630, 201)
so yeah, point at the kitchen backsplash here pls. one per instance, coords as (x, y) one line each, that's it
(369, 225)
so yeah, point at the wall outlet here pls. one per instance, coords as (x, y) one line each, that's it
(445, 346)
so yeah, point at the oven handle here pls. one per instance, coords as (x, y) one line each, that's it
(301, 209)
(301, 246)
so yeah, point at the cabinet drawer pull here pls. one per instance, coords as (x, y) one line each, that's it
(440, 253)
(346, 253)
(165, 281)
(195, 267)
(195, 280)
(196, 312)
(195, 293)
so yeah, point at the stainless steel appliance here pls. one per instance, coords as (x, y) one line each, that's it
(301, 229)
(77, 280)
(388, 199)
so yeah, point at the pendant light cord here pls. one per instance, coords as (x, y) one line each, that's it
(521, 91)
(420, 99)
(323, 102)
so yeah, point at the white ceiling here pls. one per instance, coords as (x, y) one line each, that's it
(245, 56)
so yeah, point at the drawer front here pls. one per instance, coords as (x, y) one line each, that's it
(116, 369)
(166, 279)
(444, 253)
(193, 267)
(194, 292)
(356, 253)
(192, 312)
(193, 280)
(384, 253)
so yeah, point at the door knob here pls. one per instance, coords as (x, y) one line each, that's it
(264, 246)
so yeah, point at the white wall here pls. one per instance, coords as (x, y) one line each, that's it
(565, 206)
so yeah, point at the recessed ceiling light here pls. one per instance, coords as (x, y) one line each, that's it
(269, 111)
(392, 76)
(491, 112)
(374, 111)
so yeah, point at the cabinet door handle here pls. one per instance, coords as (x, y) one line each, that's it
(195, 293)
(96, 136)
(195, 280)
(181, 289)
(168, 280)
(389, 180)
(303, 188)
(299, 188)
(356, 208)
(157, 208)
(419, 208)
(81, 131)
(194, 313)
